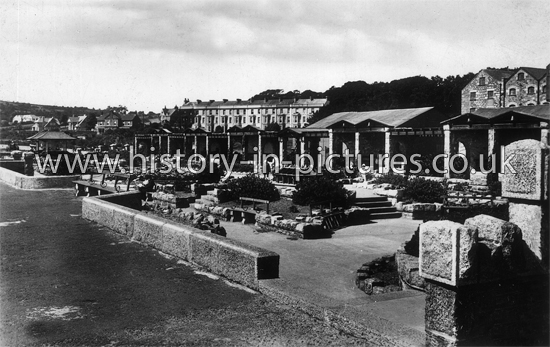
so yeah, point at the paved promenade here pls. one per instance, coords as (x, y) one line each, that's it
(67, 282)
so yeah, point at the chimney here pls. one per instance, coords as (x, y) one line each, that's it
(225, 100)
(239, 100)
(211, 101)
(199, 101)
(311, 97)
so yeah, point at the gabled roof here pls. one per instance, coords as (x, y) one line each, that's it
(128, 116)
(535, 72)
(74, 119)
(51, 135)
(390, 118)
(499, 74)
(541, 112)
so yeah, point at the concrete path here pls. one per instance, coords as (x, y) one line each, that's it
(323, 272)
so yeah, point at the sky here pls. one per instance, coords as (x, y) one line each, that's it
(149, 54)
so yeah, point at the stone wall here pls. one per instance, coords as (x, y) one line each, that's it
(235, 260)
(20, 181)
(481, 99)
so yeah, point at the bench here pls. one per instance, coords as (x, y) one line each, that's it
(245, 215)
(91, 187)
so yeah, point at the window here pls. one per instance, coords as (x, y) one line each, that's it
(521, 76)
(490, 94)
(482, 81)
(531, 90)
(288, 119)
(217, 120)
(544, 89)
(472, 95)
(512, 92)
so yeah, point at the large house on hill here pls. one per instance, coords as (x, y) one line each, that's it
(525, 86)
(219, 116)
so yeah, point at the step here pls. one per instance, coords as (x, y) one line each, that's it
(385, 215)
(205, 202)
(371, 199)
(369, 204)
(382, 209)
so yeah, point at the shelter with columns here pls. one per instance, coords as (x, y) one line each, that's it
(484, 130)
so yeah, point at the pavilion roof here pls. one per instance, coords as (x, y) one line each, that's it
(51, 136)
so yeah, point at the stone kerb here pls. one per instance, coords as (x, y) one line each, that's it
(235, 260)
(527, 161)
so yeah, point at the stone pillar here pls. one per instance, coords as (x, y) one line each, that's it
(135, 145)
(195, 144)
(281, 150)
(356, 144)
(160, 145)
(207, 144)
(544, 133)
(387, 149)
(481, 289)
(260, 162)
(302, 150)
(447, 148)
(330, 141)
(527, 193)
(168, 144)
(229, 151)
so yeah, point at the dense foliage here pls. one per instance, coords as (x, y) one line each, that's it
(320, 189)
(398, 181)
(422, 190)
(252, 186)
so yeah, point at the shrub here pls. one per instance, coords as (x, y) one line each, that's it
(397, 180)
(319, 189)
(423, 190)
(252, 186)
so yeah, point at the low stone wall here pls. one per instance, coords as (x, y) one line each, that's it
(33, 182)
(420, 211)
(235, 260)
(13, 165)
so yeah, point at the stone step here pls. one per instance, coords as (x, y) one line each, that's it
(205, 202)
(211, 198)
(385, 215)
(371, 199)
(369, 204)
(382, 209)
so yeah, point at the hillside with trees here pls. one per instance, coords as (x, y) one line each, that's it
(418, 91)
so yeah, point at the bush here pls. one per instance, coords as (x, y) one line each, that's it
(319, 189)
(397, 180)
(252, 186)
(423, 190)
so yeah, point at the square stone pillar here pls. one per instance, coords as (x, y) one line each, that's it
(229, 151)
(260, 162)
(356, 144)
(330, 141)
(544, 133)
(387, 149)
(281, 150)
(447, 149)
(481, 287)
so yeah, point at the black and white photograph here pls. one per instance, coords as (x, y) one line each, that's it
(274, 173)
